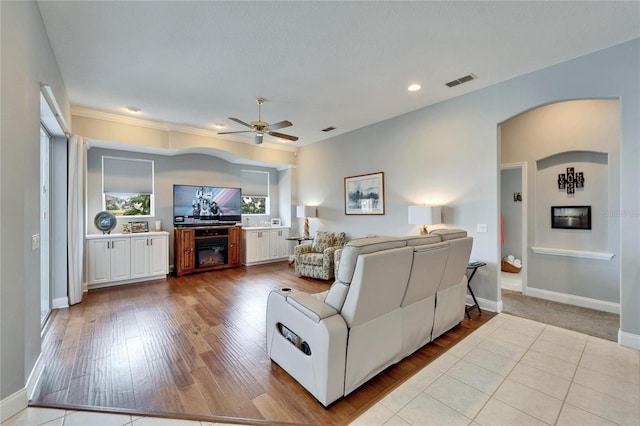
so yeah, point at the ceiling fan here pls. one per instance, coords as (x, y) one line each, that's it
(261, 127)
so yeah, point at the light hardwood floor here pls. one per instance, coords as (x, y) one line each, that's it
(194, 348)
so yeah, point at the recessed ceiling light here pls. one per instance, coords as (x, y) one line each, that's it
(133, 109)
(414, 87)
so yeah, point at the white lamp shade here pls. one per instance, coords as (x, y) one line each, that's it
(425, 215)
(306, 211)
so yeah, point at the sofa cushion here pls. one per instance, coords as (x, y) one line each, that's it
(323, 240)
(359, 246)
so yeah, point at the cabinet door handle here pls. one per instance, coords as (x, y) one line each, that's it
(150, 241)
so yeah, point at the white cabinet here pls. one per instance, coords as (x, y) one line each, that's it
(108, 260)
(278, 245)
(263, 245)
(120, 259)
(149, 256)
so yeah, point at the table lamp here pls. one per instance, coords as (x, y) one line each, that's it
(306, 212)
(425, 215)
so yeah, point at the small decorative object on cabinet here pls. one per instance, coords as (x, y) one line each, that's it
(105, 222)
(206, 248)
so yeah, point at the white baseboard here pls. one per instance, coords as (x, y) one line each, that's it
(629, 340)
(570, 299)
(60, 303)
(13, 404)
(486, 304)
(35, 376)
(17, 402)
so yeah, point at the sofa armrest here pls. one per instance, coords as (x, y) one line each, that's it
(302, 249)
(321, 370)
(310, 306)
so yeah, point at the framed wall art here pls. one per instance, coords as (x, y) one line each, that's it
(364, 194)
(571, 217)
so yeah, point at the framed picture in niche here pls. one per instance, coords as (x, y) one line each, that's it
(571, 217)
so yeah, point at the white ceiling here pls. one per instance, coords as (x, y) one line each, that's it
(318, 64)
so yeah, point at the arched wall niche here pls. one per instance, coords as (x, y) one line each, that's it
(583, 134)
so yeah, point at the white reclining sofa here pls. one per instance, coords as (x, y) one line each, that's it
(391, 296)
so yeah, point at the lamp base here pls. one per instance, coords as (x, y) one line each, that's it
(424, 230)
(305, 235)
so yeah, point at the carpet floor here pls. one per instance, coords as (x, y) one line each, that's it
(588, 321)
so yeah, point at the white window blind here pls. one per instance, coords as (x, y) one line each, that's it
(126, 175)
(254, 183)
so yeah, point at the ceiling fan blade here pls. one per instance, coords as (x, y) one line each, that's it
(283, 136)
(279, 125)
(241, 131)
(258, 139)
(237, 120)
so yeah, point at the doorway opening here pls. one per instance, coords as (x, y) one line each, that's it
(513, 223)
(45, 225)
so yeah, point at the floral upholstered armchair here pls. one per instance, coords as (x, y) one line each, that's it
(317, 260)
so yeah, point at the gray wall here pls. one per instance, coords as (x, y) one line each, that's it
(27, 60)
(187, 169)
(448, 153)
(511, 211)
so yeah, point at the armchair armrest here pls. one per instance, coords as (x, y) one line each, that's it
(310, 306)
(327, 255)
(302, 249)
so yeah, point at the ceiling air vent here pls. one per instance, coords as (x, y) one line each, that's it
(461, 80)
(328, 129)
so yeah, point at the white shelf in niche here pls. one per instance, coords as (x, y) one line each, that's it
(573, 253)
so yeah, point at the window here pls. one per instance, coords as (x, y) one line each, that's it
(255, 192)
(127, 186)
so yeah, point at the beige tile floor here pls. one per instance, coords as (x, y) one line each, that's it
(514, 371)
(511, 371)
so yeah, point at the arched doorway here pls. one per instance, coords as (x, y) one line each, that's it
(571, 266)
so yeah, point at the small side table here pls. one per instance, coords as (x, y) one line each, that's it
(299, 240)
(473, 267)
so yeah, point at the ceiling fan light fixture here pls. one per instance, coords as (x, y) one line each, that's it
(259, 128)
(133, 109)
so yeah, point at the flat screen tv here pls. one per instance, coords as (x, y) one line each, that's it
(206, 205)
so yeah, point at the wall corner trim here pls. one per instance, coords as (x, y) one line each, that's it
(573, 253)
(629, 340)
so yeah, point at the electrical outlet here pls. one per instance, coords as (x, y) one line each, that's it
(35, 242)
(482, 227)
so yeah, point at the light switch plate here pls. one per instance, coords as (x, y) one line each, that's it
(35, 242)
(482, 227)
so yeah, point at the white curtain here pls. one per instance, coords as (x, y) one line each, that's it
(75, 219)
